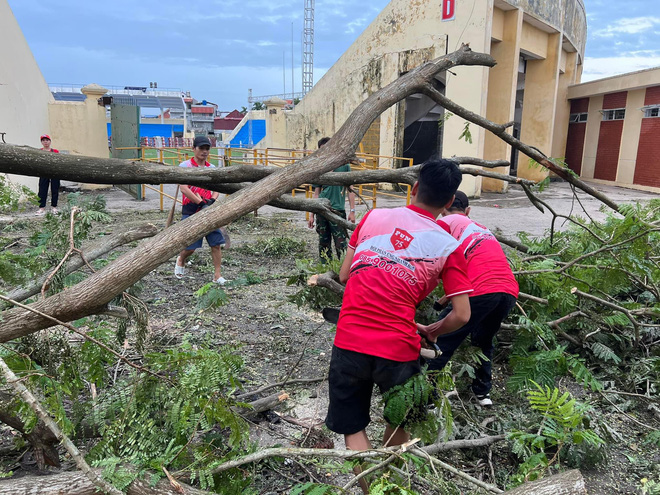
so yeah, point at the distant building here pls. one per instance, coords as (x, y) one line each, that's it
(614, 130)
(202, 117)
(228, 122)
(539, 48)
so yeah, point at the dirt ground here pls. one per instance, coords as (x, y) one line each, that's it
(278, 340)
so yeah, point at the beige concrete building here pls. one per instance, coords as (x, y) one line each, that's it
(538, 44)
(24, 94)
(28, 109)
(614, 130)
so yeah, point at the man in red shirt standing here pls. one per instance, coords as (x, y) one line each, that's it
(194, 199)
(395, 258)
(44, 182)
(495, 293)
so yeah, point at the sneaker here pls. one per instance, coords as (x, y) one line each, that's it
(179, 271)
(40, 212)
(484, 400)
(220, 281)
(54, 210)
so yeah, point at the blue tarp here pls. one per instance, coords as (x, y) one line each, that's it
(242, 138)
(156, 130)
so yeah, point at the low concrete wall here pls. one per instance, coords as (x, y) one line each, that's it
(80, 128)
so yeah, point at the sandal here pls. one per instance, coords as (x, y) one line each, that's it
(179, 271)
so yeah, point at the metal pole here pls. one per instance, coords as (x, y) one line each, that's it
(293, 86)
(250, 119)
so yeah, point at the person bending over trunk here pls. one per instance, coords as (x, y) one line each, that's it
(395, 258)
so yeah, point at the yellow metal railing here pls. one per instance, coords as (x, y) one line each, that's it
(272, 157)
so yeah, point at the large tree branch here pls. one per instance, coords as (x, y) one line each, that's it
(353, 454)
(42, 440)
(319, 206)
(23, 160)
(501, 131)
(101, 287)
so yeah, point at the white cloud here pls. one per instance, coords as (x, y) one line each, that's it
(631, 25)
(600, 67)
(356, 24)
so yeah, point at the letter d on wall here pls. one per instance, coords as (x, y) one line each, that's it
(448, 10)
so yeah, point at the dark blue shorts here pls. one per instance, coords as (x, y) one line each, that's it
(214, 238)
(351, 382)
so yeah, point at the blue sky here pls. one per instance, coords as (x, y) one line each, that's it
(217, 49)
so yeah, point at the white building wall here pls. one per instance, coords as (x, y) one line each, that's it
(24, 94)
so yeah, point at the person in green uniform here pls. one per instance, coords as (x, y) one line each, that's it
(327, 230)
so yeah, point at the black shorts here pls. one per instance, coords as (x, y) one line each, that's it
(352, 378)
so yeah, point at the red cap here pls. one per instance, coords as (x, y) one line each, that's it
(45, 136)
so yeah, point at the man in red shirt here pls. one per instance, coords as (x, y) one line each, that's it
(395, 258)
(194, 199)
(44, 182)
(495, 293)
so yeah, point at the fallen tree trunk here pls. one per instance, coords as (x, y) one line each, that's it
(75, 483)
(24, 160)
(97, 290)
(92, 251)
(566, 483)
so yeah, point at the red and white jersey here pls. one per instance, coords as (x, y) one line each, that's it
(401, 255)
(487, 266)
(203, 193)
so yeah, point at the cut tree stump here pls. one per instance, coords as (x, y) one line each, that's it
(566, 483)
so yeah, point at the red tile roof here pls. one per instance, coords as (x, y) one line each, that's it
(229, 122)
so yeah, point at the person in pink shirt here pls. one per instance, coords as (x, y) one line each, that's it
(395, 258)
(494, 296)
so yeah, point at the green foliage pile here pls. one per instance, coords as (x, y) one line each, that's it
(563, 426)
(275, 246)
(182, 420)
(618, 263)
(419, 405)
(314, 297)
(50, 242)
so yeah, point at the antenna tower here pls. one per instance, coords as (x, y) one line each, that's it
(308, 48)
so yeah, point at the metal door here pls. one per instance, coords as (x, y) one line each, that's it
(125, 133)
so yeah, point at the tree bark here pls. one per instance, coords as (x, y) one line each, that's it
(75, 483)
(24, 160)
(97, 290)
(566, 483)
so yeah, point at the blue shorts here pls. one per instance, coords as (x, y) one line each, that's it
(214, 238)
